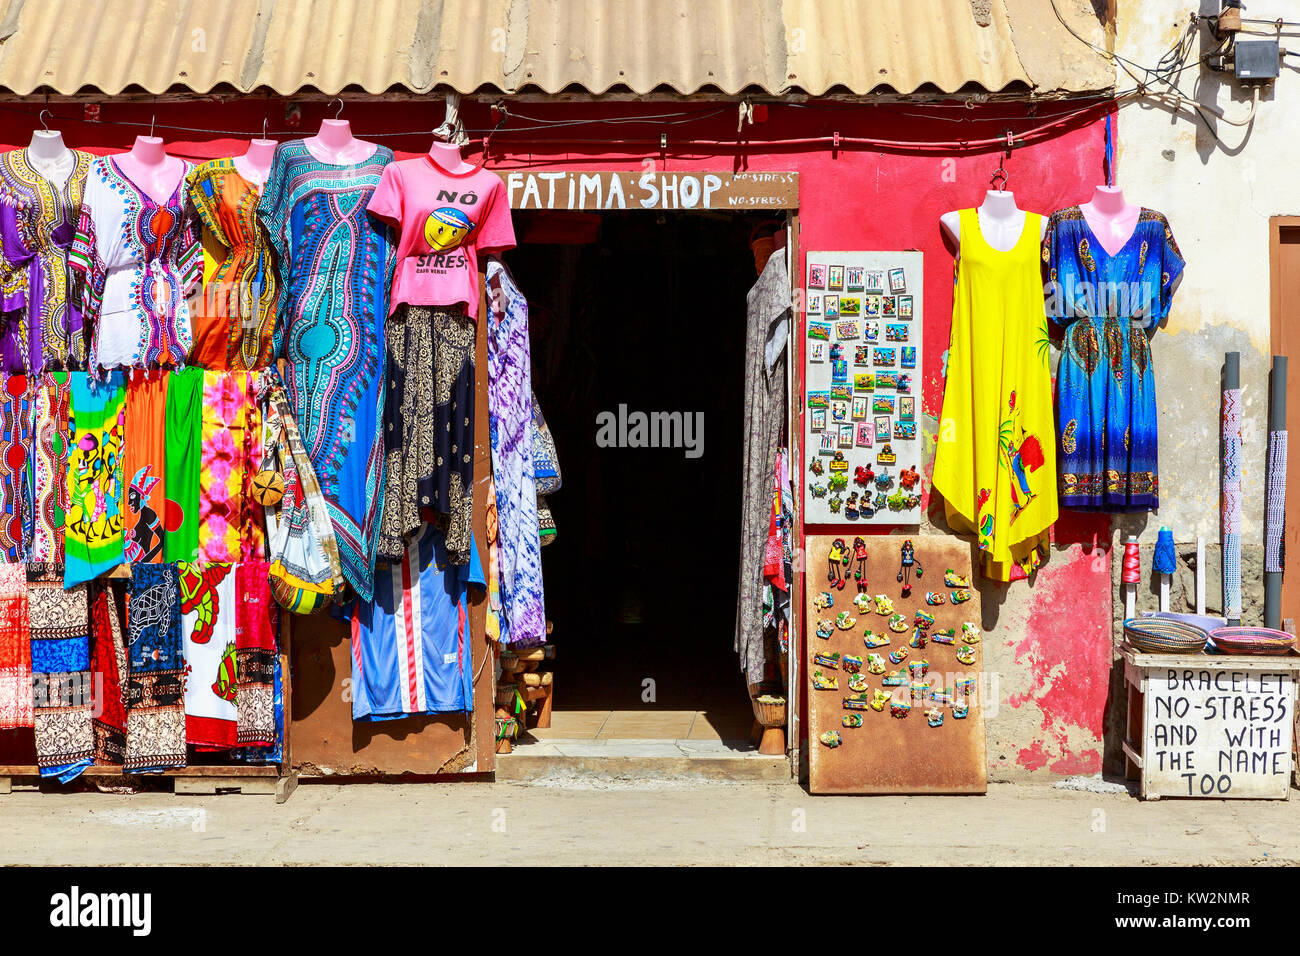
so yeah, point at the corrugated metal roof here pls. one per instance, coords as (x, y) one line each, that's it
(549, 46)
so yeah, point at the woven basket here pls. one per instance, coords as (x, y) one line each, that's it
(769, 711)
(1252, 640)
(1154, 635)
(506, 695)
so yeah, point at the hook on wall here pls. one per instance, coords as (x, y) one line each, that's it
(44, 124)
(1000, 175)
(151, 122)
(338, 112)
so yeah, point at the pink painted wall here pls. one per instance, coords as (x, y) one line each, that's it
(852, 197)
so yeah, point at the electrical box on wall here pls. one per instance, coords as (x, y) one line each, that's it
(1256, 59)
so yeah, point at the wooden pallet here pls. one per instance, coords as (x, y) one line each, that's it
(185, 780)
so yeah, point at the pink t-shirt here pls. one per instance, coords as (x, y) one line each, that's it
(446, 222)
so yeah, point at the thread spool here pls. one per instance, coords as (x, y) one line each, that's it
(1132, 566)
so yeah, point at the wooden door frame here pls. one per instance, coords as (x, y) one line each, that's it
(1277, 341)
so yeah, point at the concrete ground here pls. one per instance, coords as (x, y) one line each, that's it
(577, 818)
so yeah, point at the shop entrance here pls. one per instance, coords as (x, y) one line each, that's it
(638, 331)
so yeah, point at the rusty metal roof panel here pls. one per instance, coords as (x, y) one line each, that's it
(548, 46)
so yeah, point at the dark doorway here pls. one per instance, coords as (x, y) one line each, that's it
(644, 311)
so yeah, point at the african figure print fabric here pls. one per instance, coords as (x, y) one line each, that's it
(49, 461)
(510, 415)
(40, 312)
(139, 259)
(96, 425)
(144, 468)
(209, 607)
(62, 686)
(155, 715)
(336, 264)
(236, 327)
(1105, 384)
(15, 649)
(16, 494)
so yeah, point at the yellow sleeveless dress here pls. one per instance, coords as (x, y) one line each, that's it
(996, 459)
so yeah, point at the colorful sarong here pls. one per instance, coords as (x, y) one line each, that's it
(209, 606)
(49, 472)
(155, 715)
(108, 669)
(15, 465)
(255, 656)
(228, 415)
(15, 649)
(184, 418)
(96, 426)
(61, 679)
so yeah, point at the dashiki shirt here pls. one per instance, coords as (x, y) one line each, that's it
(155, 700)
(49, 465)
(209, 609)
(41, 322)
(1105, 386)
(235, 327)
(96, 424)
(15, 467)
(336, 265)
(410, 654)
(140, 260)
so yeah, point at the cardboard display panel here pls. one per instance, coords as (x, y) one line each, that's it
(896, 749)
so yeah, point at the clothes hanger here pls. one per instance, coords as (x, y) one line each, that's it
(44, 124)
(338, 112)
(1001, 177)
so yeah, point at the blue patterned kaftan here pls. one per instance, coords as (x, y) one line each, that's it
(336, 263)
(1105, 387)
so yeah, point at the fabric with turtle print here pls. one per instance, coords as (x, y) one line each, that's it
(429, 428)
(40, 310)
(61, 680)
(1105, 384)
(155, 699)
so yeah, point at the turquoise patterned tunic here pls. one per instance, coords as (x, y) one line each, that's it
(1105, 386)
(337, 264)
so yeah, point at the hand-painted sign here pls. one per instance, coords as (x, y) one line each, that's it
(658, 189)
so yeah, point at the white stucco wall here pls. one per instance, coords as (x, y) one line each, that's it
(1218, 199)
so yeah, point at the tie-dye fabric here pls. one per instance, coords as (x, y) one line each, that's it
(510, 416)
(15, 469)
(61, 680)
(49, 472)
(209, 607)
(225, 448)
(15, 649)
(255, 656)
(155, 700)
(96, 427)
(145, 459)
(108, 668)
(184, 420)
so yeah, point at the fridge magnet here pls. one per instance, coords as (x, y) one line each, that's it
(854, 277)
(873, 640)
(903, 382)
(935, 598)
(859, 411)
(816, 277)
(861, 355)
(899, 708)
(817, 489)
(835, 502)
(898, 655)
(852, 720)
(817, 352)
(965, 688)
(841, 392)
(871, 332)
(822, 682)
(874, 281)
(948, 636)
(844, 621)
(889, 307)
(886, 455)
(839, 410)
(907, 356)
(823, 600)
(896, 332)
(850, 305)
(865, 437)
(830, 661)
(907, 564)
(875, 663)
(831, 306)
(904, 306)
(835, 277)
(858, 683)
(887, 380)
(941, 696)
(907, 408)
(852, 663)
(831, 739)
(819, 399)
(904, 431)
(838, 482)
(871, 305)
(897, 679)
(819, 330)
(884, 606)
(908, 477)
(966, 655)
(839, 372)
(898, 623)
(919, 668)
(827, 445)
(862, 475)
(923, 619)
(959, 711)
(897, 280)
(817, 422)
(919, 639)
(882, 405)
(862, 601)
(951, 579)
(920, 689)
(814, 304)
(856, 702)
(864, 382)
(878, 700)
(847, 328)
(882, 428)
(934, 717)
(885, 357)
(839, 463)
(825, 628)
(970, 634)
(846, 439)
(960, 596)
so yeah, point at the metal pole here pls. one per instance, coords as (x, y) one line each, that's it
(1275, 502)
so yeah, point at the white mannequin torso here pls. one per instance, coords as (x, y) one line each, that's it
(51, 159)
(1001, 221)
(1111, 217)
(151, 170)
(336, 145)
